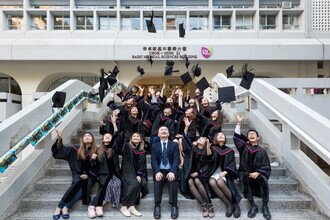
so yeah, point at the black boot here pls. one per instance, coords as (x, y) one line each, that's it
(265, 212)
(253, 211)
(237, 211)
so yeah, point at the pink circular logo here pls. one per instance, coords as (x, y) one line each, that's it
(206, 52)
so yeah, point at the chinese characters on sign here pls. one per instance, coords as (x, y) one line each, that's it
(162, 52)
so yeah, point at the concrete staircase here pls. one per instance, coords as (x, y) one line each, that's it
(286, 200)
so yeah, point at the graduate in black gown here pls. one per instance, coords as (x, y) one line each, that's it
(213, 125)
(254, 169)
(107, 167)
(133, 174)
(224, 173)
(163, 119)
(103, 85)
(129, 125)
(197, 170)
(82, 169)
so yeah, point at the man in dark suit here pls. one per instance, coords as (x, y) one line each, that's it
(165, 165)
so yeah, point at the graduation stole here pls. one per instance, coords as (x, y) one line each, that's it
(252, 151)
(222, 153)
(137, 152)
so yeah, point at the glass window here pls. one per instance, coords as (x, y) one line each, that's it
(39, 22)
(173, 21)
(221, 22)
(244, 22)
(107, 23)
(198, 22)
(84, 22)
(61, 23)
(14, 22)
(290, 22)
(130, 22)
(267, 21)
(4, 84)
(14, 87)
(158, 22)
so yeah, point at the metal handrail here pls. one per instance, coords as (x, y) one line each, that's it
(46, 127)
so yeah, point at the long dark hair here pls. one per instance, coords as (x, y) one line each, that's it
(82, 149)
(103, 149)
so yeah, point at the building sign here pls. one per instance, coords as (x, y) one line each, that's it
(206, 52)
(164, 53)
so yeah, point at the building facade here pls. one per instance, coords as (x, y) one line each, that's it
(44, 43)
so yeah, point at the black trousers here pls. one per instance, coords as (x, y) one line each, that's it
(172, 189)
(255, 187)
(100, 195)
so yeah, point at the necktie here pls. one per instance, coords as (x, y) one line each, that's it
(164, 157)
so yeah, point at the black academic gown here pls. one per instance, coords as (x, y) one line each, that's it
(77, 167)
(194, 161)
(224, 157)
(160, 121)
(252, 159)
(133, 164)
(129, 125)
(211, 128)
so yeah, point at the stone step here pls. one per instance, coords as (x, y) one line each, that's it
(277, 201)
(271, 156)
(111, 213)
(95, 125)
(63, 169)
(62, 183)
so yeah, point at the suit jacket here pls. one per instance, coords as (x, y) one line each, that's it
(172, 153)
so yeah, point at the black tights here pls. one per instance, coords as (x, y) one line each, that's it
(221, 189)
(198, 191)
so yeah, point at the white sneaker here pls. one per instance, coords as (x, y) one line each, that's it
(125, 211)
(91, 212)
(135, 212)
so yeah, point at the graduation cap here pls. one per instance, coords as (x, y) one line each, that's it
(58, 99)
(186, 78)
(197, 71)
(202, 84)
(115, 71)
(168, 70)
(111, 79)
(247, 80)
(226, 94)
(169, 63)
(230, 71)
(182, 31)
(140, 70)
(150, 24)
(187, 61)
(150, 60)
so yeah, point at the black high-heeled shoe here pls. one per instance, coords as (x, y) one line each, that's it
(229, 211)
(58, 216)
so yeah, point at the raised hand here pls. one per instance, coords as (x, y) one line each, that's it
(238, 119)
(186, 121)
(59, 133)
